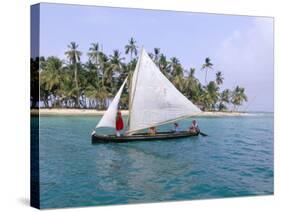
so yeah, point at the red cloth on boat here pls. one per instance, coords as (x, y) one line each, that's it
(119, 123)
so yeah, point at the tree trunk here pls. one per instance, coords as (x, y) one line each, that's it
(76, 86)
(46, 103)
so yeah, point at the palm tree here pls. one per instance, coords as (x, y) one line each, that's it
(114, 67)
(225, 95)
(176, 68)
(192, 90)
(67, 91)
(131, 48)
(104, 64)
(98, 93)
(73, 56)
(238, 97)
(116, 60)
(179, 82)
(219, 78)
(224, 99)
(51, 78)
(156, 55)
(206, 67)
(211, 95)
(34, 82)
(127, 71)
(94, 53)
(164, 66)
(191, 73)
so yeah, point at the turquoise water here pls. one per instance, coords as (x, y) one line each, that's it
(236, 159)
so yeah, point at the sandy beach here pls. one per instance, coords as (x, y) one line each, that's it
(91, 112)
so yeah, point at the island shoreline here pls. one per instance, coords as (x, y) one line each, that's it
(93, 112)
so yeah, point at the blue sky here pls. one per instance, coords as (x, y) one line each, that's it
(239, 46)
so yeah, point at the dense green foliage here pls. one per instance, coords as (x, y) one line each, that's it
(70, 83)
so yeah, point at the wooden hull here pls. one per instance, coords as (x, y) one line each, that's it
(140, 137)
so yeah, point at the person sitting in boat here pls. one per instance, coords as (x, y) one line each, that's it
(176, 128)
(119, 123)
(152, 131)
(194, 127)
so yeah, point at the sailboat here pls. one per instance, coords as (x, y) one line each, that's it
(153, 101)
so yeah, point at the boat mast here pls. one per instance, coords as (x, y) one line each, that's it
(130, 87)
(129, 106)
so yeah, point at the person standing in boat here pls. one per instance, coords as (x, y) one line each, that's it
(152, 131)
(176, 128)
(194, 127)
(119, 124)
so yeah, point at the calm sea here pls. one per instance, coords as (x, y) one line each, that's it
(236, 159)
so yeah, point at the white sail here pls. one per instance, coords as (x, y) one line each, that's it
(133, 86)
(154, 99)
(109, 117)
